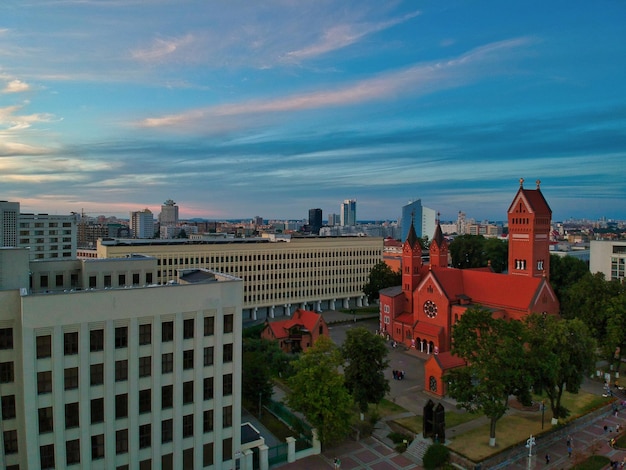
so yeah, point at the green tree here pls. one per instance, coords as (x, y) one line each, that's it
(317, 389)
(616, 330)
(497, 365)
(381, 276)
(561, 354)
(496, 252)
(565, 271)
(366, 361)
(467, 251)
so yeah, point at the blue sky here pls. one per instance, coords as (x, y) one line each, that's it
(238, 108)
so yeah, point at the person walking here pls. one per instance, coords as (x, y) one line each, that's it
(547, 459)
(337, 464)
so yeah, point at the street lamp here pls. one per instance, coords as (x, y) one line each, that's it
(543, 408)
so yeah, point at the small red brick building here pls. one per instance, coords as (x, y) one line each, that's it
(297, 333)
(421, 312)
(435, 367)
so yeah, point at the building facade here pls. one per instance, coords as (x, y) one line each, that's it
(348, 212)
(169, 214)
(9, 214)
(279, 274)
(609, 258)
(142, 224)
(315, 220)
(118, 376)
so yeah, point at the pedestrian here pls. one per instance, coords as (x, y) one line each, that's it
(569, 441)
(612, 442)
(569, 451)
(547, 459)
(337, 463)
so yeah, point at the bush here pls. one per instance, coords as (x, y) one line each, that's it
(436, 456)
(398, 437)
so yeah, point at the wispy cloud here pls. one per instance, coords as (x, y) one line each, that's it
(9, 117)
(162, 48)
(340, 36)
(16, 86)
(418, 79)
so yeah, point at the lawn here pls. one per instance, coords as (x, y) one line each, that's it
(386, 408)
(415, 424)
(516, 427)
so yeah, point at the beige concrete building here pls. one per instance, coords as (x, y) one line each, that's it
(101, 368)
(608, 257)
(279, 274)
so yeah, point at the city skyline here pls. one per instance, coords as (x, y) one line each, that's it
(242, 109)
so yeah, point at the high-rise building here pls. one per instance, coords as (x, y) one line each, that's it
(142, 224)
(9, 213)
(348, 212)
(169, 214)
(315, 220)
(101, 372)
(423, 218)
(334, 219)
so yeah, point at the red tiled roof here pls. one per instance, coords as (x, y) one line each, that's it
(406, 318)
(535, 200)
(305, 318)
(429, 329)
(447, 360)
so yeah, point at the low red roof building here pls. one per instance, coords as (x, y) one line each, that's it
(297, 333)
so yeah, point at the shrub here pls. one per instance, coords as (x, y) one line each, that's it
(436, 456)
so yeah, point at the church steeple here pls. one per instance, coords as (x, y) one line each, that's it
(411, 264)
(438, 248)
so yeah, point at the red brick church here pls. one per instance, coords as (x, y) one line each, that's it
(420, 313)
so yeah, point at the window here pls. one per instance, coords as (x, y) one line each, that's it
(228, 352)
(8, 407)
(72, 452)
(207, 454)
(44, 346)
(187, 392)
(45, 420)
(188, 459)
(145, 401)
(145, 464)
(46, 456)
(6, 338)
(121, 370)
(10, 442)
(121, 337)
(121, 406)
(43, 279)
(121, 280)
(227, 449)
(145, 366)
(167, 331)
(7, 372)
(228, 416)
(208, 356)
(228, 323)
(97, 410)
(209, 326)
(228, 384)
(167, 430)
(96, 374)
(188, 359)
(96, 340)
(145, 334)
(70, 343)
(208, 388)
(135, 279)
(93, 282)
(207, 421)
(71, 378)
(188, 327)
(97, 447)
(167, 396)
(167, 462)
(107, 281)
(72, 416)
(145, 436)
(44, 382)
(167, 363)
(121, 441)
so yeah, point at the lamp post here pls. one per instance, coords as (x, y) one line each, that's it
(543, 409)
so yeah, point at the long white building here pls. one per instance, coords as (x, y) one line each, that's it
(102, 369)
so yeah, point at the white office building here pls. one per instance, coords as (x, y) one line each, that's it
(348, 212)
(608, 257)
(142, 224)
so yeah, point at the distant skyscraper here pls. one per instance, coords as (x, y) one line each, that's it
(169, 214)
(348, 212)
(142, 224)
(315, 220)
(423, 219)
(9, 213)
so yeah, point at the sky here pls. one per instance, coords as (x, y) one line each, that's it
(236, 109)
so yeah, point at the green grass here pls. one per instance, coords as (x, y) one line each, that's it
(276, 426)
(415, 423)
(594, 462)
(387, 408)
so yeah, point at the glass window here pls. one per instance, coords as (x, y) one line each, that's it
(6, 338)
(188, 359)
(121, 370)
(121, 405)
(188, 459)
(72, 416)
(145, 436)
(121, 441)
(70, 343)
(121, 337)
(145, 401)
(72, 452)
(97, 447)
(45, 420)
(228, 323)
(44, 382)
(96, 374)
(228, 384)
(187, 392)
(46, 456)
(167, 430)
(228, 352)
(228, 416)
(97, 410)
(207, 421)
(208, 388)
(71, 378)
(145, 366)
(167, 396)
(96, 340)
(44, 346)
(8, 407)
(167, 363)
(7, 372)
(145, 334)
(208, 356)
(10, 442)
(188, 327)
(227, 449)
(167, 331)
(209, 326)
(207, 454)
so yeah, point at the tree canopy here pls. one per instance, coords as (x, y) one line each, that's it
(317, 389)
(476, 251)
(366, 360)
(381, 276)
(497, 365)
(561, 354)
(565, 271)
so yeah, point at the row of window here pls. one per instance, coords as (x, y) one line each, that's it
(96, 337)
(349, 255)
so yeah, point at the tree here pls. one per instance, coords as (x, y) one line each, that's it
(496, 252)
(381, 276)
(497, 367)
(466, 251)
(318, 391)
(565, 271)
(561, 354)
(366, 361)
(616, 330)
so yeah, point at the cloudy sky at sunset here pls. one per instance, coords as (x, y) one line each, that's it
(241, 108)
